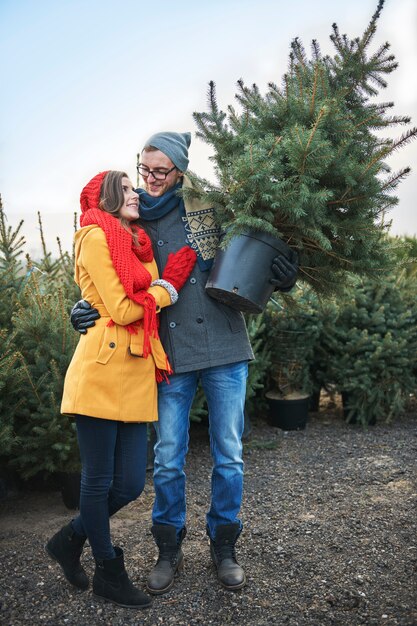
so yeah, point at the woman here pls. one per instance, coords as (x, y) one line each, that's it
(111, 383)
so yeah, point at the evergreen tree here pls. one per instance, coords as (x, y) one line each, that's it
(369, 350)
(12, 380)
(306, 162)
(46, 342)
(11, 362)
(292, 333)
(36, 345)
(11, 267)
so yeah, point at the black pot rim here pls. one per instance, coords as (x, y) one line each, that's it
(270, 395)
(270, 240)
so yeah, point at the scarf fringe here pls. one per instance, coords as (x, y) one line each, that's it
(132, 329)
(162, 375)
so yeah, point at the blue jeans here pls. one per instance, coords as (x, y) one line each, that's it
(113, 457)
(225, 390)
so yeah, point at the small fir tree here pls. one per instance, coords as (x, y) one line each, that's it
(306, 161)
(36, 345)
(11, 367)
(46, 341)
(292, 332)
(12, 380)
(369, 349)
(11, 273)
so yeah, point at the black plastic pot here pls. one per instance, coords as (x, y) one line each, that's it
(240, 274)
(287, 414)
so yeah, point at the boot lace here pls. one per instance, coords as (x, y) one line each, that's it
(225, 550)
(167, 553)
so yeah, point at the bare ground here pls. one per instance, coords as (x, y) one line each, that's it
(329, 537)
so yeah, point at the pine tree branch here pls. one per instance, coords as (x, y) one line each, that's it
(276, 142)
(370, 31)
(315, 49)
(395, 179)
(320, 115)
(395, 145)
(313, 94)
(300, 82)
(211, 97)
(343, 202)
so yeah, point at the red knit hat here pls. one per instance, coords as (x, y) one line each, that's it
(90, 195)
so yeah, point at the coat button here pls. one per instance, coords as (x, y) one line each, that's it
(199, 320)
(172, 324)
(112, 344)
(160, 242)
(193, 281)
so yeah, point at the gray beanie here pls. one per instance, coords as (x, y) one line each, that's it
(174, 146)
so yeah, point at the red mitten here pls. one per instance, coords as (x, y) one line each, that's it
(179, 266)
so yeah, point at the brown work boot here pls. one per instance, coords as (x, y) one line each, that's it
(170, 559)
(222, 550)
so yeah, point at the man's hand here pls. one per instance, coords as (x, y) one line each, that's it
(285, 271)
(83, 316)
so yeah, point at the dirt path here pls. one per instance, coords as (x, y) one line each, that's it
(329, 537)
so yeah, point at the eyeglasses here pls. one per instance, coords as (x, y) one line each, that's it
(157, 174)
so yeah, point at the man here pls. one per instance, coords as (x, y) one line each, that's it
(207, 341)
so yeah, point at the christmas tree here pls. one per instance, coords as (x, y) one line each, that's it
(306, 162)
(369, 349)
(36, 345)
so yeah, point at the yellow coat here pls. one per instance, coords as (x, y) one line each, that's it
(108, 377)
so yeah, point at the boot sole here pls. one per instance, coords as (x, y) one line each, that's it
(160, 592)
(53, 557)
(126, 606)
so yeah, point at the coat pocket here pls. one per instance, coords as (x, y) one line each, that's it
(108, 345)
(234, 318)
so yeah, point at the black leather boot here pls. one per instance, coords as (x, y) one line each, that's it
(170, 559)
(222, 550)
(65, 548)
(112, 583)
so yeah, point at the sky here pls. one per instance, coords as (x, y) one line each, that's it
(86, 82)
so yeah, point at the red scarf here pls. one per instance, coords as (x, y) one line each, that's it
(127, 258)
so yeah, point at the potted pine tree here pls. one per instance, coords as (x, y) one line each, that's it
(292, 333)
(303, 167)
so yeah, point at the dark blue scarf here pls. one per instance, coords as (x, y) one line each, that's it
(151, 208)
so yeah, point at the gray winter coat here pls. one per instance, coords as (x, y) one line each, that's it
(197, 332)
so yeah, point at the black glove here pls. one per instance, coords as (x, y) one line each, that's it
(285, 271)
(83, 316)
